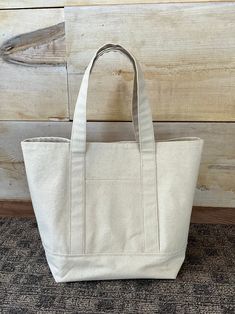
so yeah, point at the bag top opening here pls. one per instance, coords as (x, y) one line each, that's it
(66, 140)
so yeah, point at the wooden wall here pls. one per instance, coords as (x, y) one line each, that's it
(187, 51)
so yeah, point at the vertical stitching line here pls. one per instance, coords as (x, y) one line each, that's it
(141, 155)
(70, 178)
(158, 209)
(156, 196)
(84, 204)
(141, 194)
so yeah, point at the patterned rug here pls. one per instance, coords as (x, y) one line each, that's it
(205, 283)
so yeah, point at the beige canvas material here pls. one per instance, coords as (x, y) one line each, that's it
(113, 210)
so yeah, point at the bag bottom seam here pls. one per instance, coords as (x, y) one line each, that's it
(162, 254)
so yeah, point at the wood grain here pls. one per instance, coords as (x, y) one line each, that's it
(205, 215)
(5, 4)
(16, 209)
(19, 48)
(33, 76)
(213, 215)
(16, 4)
(215, 185)
(187, 52)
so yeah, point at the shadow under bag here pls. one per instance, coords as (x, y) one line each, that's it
(113, 210)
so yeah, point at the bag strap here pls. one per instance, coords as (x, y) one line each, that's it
(143, 126)
(141, 113)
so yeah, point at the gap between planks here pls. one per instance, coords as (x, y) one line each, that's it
(77, 3)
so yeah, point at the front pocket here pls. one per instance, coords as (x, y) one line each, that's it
(114, 217)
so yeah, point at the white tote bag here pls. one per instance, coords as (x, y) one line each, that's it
(113, 210)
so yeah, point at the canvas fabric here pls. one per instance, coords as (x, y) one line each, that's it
(113, 210)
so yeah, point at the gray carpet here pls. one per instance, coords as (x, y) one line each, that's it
(205, 283)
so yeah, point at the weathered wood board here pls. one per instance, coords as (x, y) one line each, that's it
(216, 183)
(4, 4)
(13, 184)
(33, 76)
(14, 4)
(187, 52)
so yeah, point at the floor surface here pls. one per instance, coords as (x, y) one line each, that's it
(205, 283)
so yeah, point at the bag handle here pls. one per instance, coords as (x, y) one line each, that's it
(142, 118)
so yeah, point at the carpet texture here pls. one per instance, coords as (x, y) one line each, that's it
(205, 283)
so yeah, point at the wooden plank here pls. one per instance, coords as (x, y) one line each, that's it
(13, 4)
(33, 76)
(217, 173)
(13, 183)
(109, 2)
(205, 215)
(16, 209)
(213, 215)
(17, 4)
(187, 52)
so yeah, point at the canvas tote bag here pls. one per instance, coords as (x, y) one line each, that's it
(113, 210)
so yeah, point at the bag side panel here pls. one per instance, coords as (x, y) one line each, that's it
(47, 168)
(177, 172)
